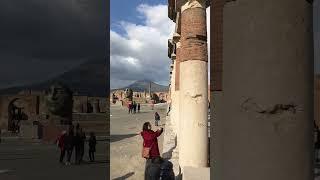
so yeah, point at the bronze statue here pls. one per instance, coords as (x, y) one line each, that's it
(59, 102)
(129, 94)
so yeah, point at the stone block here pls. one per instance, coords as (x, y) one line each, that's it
(192, 173)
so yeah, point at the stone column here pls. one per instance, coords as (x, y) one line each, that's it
(193, 85)
(96, 106)
(263, 116)
(176, 102)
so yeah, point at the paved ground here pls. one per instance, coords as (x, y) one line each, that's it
(126, 142)
(21, 160)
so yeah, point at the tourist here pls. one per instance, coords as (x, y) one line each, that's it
(134, 107)
(61, 145)
(77, 144)
(169, 109)
(82, 142)
(138, 107)
(130, 108)
(317, 142)
(92, 146)
(153, 159)
(69, 144)
(156, 118)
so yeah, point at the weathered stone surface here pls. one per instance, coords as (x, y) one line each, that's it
(192, 173)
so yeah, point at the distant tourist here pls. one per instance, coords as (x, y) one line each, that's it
(134, 107)
(138, 107)
(317, 143)
(156, 118)
(151, 151)
(82, 143)
(77, 144)
(169, 109)
(92, 146)
(69, 144)
(130, 108)
(61, 145)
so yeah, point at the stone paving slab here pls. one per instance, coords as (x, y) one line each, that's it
(37, 161)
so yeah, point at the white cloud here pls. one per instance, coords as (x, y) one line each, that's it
(141, 53)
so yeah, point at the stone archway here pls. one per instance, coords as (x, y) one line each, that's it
(16, 114)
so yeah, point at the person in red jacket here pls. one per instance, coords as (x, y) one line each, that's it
(61, 145)
(150, 139)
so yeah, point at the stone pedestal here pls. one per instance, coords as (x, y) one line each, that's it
(193, 86)
(262, 123)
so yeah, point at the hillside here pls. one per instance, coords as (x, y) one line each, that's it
(88, 78)
(143, 85)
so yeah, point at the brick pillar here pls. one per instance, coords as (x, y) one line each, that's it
(193, 86)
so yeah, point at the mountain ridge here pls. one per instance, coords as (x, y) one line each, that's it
(143, 85)
(83, 79)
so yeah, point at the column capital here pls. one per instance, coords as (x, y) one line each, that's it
(193, 4)
(176, 37)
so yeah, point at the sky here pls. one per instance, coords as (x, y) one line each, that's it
(40, 39)
(139, 42)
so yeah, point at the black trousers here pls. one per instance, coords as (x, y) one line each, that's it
(62, 153)
(78, 154)
(91, 155)
(69, 154)
(152, 170)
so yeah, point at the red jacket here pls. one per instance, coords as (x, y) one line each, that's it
(61, 141)
(150, 138)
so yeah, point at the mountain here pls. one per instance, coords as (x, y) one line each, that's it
(143, 85)
(89, 78)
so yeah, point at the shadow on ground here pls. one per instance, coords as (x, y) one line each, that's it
(124, 176)
(115, 138)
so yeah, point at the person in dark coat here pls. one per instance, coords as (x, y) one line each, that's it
(153, 163)
(156, 118)
(61, 145)
(134, 107)
(69, 144)
(138, 107)
(92, 146)
(317, 141)
(82, 143)
(77, 144)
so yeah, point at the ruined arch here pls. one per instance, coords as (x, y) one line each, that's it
(16, 113)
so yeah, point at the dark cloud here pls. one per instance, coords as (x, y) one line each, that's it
(51, 31)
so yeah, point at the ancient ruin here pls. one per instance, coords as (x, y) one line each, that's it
(253, 44)
(189, 86)
(42, 115)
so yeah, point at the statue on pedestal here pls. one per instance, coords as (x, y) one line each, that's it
(129, 94)
(59, 103)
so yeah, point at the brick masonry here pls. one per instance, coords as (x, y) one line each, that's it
(193, 35)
